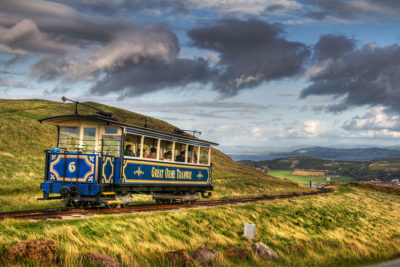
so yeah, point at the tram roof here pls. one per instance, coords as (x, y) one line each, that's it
(111, 121)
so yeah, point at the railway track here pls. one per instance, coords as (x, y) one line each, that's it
(70, 213)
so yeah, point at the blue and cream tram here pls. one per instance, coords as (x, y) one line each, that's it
(91, 166)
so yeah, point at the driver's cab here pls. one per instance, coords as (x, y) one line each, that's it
(90, 138)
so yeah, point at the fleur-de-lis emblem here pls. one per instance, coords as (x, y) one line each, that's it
(200, 175)
(53, 157)
(52, 177)
(138, 171)
(91, 158)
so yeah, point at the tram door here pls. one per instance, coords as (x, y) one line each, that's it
(110, 149)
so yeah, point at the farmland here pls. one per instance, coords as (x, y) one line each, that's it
(303, 177)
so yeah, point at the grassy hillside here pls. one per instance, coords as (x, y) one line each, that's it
(23, 140)
(341, 229)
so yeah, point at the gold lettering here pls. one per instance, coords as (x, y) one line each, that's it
(184, 174)
(169, 173)
(157, 173)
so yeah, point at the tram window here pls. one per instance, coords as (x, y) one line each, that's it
(193, 154)
(165, 150)
(180, 151)
(111, 130)
(89, 140)
(69, 137)
(134, 141)
(149, 145)
(111, 145)
(204, 155)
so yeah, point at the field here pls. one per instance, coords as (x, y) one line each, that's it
(23, 140)
(305, 179)
(308, 173)
(341, 229)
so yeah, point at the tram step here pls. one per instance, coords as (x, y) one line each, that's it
(108, 193)
(114, 201)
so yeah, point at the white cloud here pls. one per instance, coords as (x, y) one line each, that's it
(250, 7)
(304, 129)
(25, 36)
(376, 118)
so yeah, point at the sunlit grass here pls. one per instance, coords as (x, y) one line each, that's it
(340, 229)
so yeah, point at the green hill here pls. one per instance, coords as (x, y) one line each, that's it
(23, 140)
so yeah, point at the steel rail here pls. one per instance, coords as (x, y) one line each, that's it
(60, 213)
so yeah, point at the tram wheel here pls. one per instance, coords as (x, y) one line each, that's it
(94, 204)
(77, 204)
(159, 201)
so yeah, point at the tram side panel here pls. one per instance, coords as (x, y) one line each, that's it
(149, 173)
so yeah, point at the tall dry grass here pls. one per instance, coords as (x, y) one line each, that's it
(351, 227)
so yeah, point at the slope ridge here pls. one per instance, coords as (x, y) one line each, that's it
(23, 140)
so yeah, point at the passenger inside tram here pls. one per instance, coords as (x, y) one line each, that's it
(181, 157)
(168, 155)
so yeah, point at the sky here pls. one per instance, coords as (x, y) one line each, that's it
(248, 74)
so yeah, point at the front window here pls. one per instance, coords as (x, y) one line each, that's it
(69, 137)
(111, 130)
(111, 145)
(89, 140)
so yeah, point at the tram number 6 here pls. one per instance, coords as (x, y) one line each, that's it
(72, 167)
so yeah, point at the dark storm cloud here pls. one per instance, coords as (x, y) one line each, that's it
(251, 52)
(153, 76)
(333, 46)
(367, 76)
(351, 10)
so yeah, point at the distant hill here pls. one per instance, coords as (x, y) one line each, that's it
(23, 140)
(343, 154)
(380, 169)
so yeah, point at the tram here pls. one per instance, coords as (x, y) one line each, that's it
(99, 160)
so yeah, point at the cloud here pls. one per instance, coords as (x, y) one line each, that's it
(377, 123)
(333, 46)
(25, 37)
(231, 7)
(251, 52)
(115, 56)
(11, 83)
(207, 109)
(352, 10)
(366, 76)
(304, 129)
(376, 119)
(336, 8)
(153, 75)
